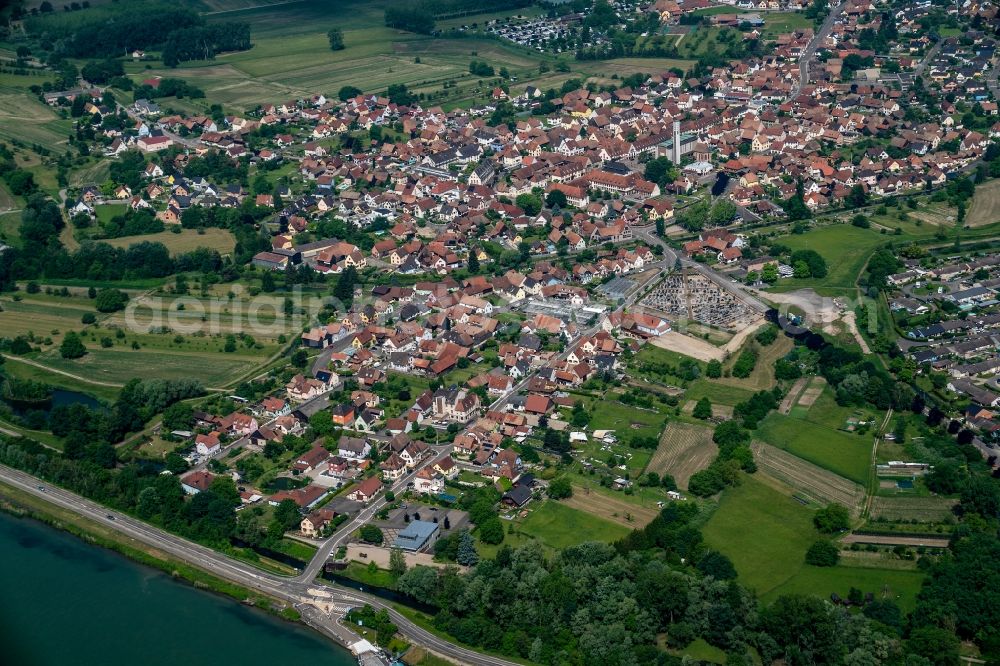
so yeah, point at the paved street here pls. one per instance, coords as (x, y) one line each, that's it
(333, 542)
(809, 55)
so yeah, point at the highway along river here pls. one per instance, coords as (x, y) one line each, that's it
(63, 601)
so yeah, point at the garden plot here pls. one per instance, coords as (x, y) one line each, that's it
(683, 450)
(921, 509)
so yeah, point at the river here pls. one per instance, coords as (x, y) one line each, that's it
(63, 601)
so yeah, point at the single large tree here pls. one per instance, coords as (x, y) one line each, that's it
(336, 37)
(72, 346)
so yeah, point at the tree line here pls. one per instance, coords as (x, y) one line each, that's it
(418, 16)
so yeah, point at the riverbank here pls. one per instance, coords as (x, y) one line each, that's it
(120, 613)
(19, 503)
(208, 570)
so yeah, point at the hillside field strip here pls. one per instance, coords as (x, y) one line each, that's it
(683, 450)
(793, 395)
(810, 480)
(803, 402)
(921, 509)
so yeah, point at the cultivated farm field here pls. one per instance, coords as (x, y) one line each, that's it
(840, 452)
(921, 509)
(985, 205)
(810, 480)
(41, 317)
(120, 365)
(24, 118)
(684, 449)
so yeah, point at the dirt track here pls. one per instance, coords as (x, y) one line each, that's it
(701, 350)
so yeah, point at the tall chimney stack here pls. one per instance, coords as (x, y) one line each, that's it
(677, 142)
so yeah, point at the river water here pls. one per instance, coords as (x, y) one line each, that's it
(64, 602)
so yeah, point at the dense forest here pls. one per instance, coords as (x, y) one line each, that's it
(113, 30)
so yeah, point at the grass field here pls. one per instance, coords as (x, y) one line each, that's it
(560, 526)
(845, 249)
(627, 422)
(291, 57)
(16, 368)
(843, 453)
(684, 449)
(701, 651)
(23, 118)
(985, 205)
(779, 23)
(7, 200)
(717, 392)
(120, 365)
(899, 586)
(766, 533)
(44, 319)
(220, 240)
(106, 212)
(762, 376)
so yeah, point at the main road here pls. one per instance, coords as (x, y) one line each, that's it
(322, 606)
(805, 60)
